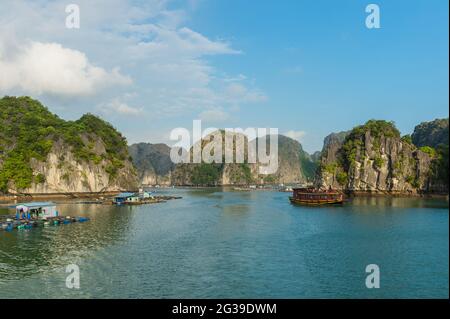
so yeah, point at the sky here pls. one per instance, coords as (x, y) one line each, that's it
(308, 68)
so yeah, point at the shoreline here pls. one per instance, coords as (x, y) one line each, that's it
(41, 196)
(104, 195)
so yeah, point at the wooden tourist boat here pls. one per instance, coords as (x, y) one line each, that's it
(315, 197)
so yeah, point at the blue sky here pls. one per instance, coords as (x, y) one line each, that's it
(306, 67)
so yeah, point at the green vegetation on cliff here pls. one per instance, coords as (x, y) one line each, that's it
(354, 142)
(433, 138)
(308, 165)
(374, 157)
(206, 174)
(294, 166)
(28, 130)
(431, 133)
(352, 149)
(440, 166)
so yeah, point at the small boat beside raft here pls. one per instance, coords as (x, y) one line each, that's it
(315, 197)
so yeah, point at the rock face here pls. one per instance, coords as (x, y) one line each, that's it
(294, 166)
(373, 158)
(153, 163)
(335, 138)
(65, 173)
(432, 137)
(331, 145)
(216, 174)
(41, 153)
(431, 134)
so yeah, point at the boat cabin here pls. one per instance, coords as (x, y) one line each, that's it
(36, 210)
(314, 196)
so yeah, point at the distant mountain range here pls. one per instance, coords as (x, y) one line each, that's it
(154, 167)
(370, 158)
(41, 153)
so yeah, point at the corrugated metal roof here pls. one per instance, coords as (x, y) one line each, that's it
(37, 204)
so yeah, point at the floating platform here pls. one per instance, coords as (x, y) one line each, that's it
(8, 223)
(146, 201)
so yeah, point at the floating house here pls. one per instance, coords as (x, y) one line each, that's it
(140, 197)
(123, 198)
(36, 210)
(144, 195)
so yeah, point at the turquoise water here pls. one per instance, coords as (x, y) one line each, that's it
(225, 244)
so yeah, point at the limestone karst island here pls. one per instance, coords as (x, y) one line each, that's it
(226, 157)
(42, 154)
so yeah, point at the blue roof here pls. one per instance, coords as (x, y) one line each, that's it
(37, 204)
(124, 195)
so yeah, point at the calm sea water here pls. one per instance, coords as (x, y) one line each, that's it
(225, 244)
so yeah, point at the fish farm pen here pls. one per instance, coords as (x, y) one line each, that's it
(30, 215)
(9, 223)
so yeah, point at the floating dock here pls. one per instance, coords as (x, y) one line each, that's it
(30, 215)
(9, 224)
(135, 199)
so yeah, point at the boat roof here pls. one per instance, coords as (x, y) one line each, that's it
(315, 191)
(122, 195)
(36, 204)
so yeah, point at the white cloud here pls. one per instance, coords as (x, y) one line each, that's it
(239, 93)
(296, 135)
(237, 78)
(163, 62)
(213, 115)
(49, 68)
(119, 107)
(180, 44)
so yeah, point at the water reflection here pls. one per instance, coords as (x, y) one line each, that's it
(231, 244)
(27, 252)
(400, 202)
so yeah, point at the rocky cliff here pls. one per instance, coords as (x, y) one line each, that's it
(153, 163)
(41, 153)
(294, 166)
(431, 134)
(433, 139)
(374, 158)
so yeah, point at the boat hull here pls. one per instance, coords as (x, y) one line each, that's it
(316, 202)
